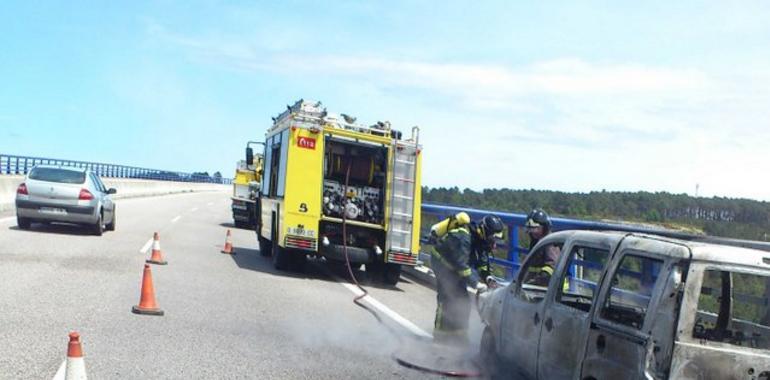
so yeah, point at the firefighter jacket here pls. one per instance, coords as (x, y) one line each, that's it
(453, 252)
(479, 258)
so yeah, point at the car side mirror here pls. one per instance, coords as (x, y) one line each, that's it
(111, 191)
(249, 156)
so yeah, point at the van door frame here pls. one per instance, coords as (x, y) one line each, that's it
(605, 335)
(520, 323)
(555, 358)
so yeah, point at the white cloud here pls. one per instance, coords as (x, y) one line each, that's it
(564, 124)
(567, 76)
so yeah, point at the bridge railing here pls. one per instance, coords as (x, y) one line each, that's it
(21, 165)
(513, 248)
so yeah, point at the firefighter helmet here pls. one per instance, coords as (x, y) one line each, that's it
(537, 218)
(490, 226)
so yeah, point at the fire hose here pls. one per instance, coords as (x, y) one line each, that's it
(357, 300)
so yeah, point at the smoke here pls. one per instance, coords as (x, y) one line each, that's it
(346, 333)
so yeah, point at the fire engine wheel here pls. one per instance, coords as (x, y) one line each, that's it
(297, 260)
(387, 273)
(280, 257)
(391, 274)
(265, 247)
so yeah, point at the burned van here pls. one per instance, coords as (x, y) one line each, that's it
(632, 306)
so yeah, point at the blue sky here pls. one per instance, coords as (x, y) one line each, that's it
(573, 96)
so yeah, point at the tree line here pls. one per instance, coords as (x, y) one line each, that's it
(717, 216)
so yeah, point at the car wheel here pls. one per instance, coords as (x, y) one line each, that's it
(23, 223)
(98, 227)
(111, 225)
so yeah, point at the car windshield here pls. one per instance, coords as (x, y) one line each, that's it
(57, 175)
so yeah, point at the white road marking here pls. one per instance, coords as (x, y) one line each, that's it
(176, 219)
(146, 246)
(210, 204)
(387, 311)
(61, 372)
(194, 209)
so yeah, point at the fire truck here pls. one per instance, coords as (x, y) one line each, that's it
(341, 190)
(248, 174)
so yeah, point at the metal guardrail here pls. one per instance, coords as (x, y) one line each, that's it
(21, 165)
(515, 223)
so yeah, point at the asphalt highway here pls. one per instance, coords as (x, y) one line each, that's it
(225, 316)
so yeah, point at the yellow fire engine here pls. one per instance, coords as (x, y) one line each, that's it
(325, 177)
(248, 175)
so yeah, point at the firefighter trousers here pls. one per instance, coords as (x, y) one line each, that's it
(453, 307)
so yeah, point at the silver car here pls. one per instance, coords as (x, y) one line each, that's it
(65, 194)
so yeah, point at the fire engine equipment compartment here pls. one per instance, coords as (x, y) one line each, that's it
(363, 203)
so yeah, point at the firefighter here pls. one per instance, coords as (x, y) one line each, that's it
(452, 262)
(538, 226)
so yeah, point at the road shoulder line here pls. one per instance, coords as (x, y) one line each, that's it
(146, 246)
(407, 324)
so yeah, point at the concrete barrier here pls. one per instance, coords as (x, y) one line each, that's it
(127, 188)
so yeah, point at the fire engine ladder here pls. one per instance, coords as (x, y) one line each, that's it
(404, 164)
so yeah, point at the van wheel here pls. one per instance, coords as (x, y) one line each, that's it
(391, 274)
(280, 257)
(265, 247)
(23, 223)
(98, 228)
(488, 353)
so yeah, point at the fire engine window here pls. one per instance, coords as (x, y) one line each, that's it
(584, 270)
(275, 160)
(267, 166)
(732, 308)
(632, 288)
(284, 150)
(537, 272)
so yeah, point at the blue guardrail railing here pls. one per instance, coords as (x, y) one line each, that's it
(11, 164)
(515, 234)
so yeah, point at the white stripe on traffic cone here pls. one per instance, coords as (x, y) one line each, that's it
(74, 368)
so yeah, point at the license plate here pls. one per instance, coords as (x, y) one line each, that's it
(301, 232)
(52, 210)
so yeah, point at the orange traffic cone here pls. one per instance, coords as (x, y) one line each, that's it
(74, 368)
(157, 256)
(147, 304)
(228, 249)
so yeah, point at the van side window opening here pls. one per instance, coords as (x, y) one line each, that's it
(538, 271)
(631, 290)
(733, 309)
(580, 280)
